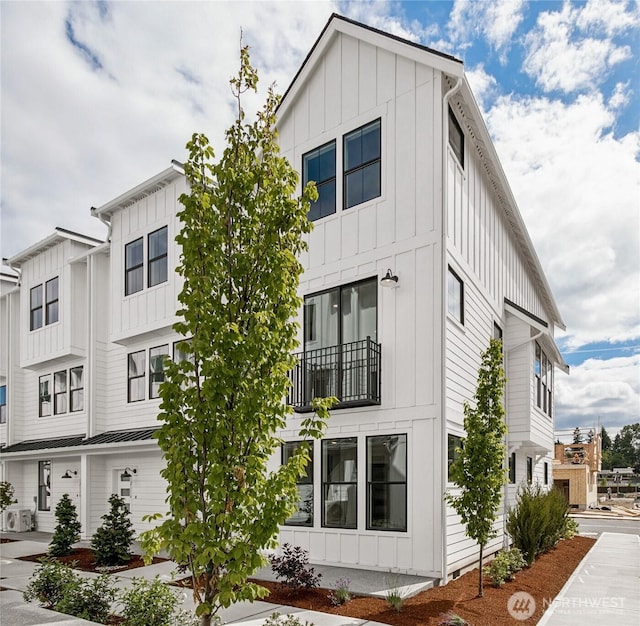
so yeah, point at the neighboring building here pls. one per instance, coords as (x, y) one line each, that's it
(575, 471)
(411, 194)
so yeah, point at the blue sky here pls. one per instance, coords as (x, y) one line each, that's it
(110, 91)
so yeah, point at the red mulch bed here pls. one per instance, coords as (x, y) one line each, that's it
(543, 580)
(85, 560)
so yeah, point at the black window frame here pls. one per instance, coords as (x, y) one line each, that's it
(159, 258)
(512, 468)
(453, 441)
(306, 481)
(325, 485)
(45, 398)
(457, 315)
(529, 470)
(75, 391)
(138, 375)
(137, 268)
(361, 166)
(3, 404)
(546, 472)
(52, 301)
(44, 485)
(323, 184)
(36, 322)
(60, 396)
(371, 483)
(455, 130)
(156, 375)
(543, 378)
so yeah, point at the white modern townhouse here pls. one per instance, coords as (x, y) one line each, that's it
(418, 257)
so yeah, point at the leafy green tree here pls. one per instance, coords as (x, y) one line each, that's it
(223, 405)
(7, 495)
(479, 469)
(67, 530)
(111, 543)
(606, 440)
(626, 444)
(577, 435)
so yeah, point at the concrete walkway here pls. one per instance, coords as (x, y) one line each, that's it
(604, 589)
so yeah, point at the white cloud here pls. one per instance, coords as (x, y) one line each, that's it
(621, 96)
(577, 188)
(483, 85)
(560, 54)
(609, 389)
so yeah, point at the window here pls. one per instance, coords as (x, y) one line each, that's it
(156, 369)
(136, 376)
(456, 138)
(362, 148)
(51, 300)
(497, 331)
(546, 473)
(387, 482)
(455, 296)
(512, 468)
(133, 267)
(454, 444)
(3, 404)
(319, 166)
(44, 396)
(339, 483)
(76, 388)
(60, 392)
(529, 469)
(36, 307)
(543, 372)
(304, 515)
(157, 257)
(44, 485)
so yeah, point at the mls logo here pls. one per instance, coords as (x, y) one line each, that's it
(521, 605)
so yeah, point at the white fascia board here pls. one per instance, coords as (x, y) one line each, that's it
(166, 176)
(55, 238)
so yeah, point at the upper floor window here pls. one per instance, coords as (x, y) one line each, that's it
(36, 307)
(512, 468)
(43, 304)
(44, 395)
(543, 371)
(456, 138)
(362, 173)
(387, 482)
(44, 485)
(136, 376)
(319, 166)
(51, 301)
(68, 393)
(133, 267)
(455, 296)
(60, 392)
(76, 389)
(156, 369)
(3, 404)
(157, 257)
(454, 444)
(304, 515)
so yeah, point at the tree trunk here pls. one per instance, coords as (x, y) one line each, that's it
(480, 591)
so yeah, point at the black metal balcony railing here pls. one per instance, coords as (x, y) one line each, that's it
(349, 371)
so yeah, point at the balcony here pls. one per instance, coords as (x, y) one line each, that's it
(349, 371)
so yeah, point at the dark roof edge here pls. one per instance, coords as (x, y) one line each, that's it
(75, 234)
(524, 311)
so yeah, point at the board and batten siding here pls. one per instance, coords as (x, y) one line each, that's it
(152, 308)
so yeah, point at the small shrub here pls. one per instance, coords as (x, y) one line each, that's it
(67, 530)
(89, 599)
(111, 543)
(276, 619)
(7, 495)
(570, 529)
(504, 566)
(150, 603)
(452, 619)
(49, 582)
(395, 599)
(341, 594)
(292, 568)
(537, 521)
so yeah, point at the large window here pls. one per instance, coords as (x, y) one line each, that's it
(304, 515)
(157, 257)
(136, 376)
(455, 296)
(319, 166)
(3, 404)
(133, 267)
(51, 301)
(36, 307)
(454, 444)
(387, 482)
(156, 369)
(362, 174)
(44, 396)
(340, 483)
(456, 138)
(60, 392)
(543, 371)
(44, 485)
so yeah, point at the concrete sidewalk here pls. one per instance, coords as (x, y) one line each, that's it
(604, 589)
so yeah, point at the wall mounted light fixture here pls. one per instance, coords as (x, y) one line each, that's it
(128, 471)
(68, 473)
(389, 279)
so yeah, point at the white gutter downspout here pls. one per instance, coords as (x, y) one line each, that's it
(94, 212)
(443, 321)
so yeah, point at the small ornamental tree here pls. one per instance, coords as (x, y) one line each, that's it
(7, 495)
(67, 530)
(241, 238)
(111, 543)
(479, 469)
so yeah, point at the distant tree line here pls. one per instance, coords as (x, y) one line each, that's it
(624, 450)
